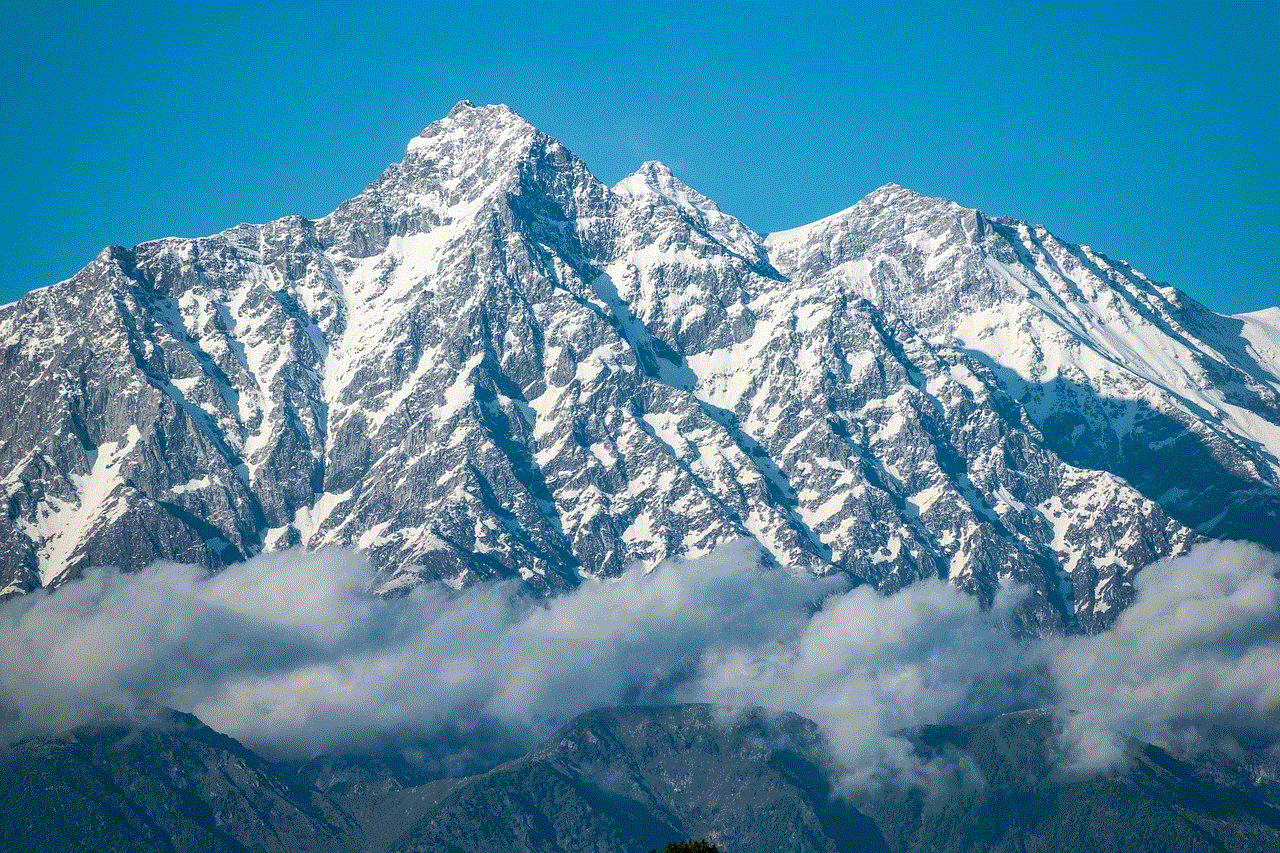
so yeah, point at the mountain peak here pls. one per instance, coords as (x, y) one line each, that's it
(494, 122)
(655, 168)
(654, 178)
(896, 195)
(890, 198)
(474, 155)
(460, 107)
(654, 186)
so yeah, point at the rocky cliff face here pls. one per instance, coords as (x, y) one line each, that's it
(490, 364)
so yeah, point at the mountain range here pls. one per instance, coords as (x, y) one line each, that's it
(626, 779)
(489, 364)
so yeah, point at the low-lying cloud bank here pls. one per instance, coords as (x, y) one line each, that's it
(289, 654)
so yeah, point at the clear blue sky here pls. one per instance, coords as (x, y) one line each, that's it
(1151, 133)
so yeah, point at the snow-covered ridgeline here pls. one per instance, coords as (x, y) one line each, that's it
(488, 363)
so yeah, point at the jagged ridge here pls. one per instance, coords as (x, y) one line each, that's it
(489, 363)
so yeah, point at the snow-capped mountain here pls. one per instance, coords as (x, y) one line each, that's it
(489, 363)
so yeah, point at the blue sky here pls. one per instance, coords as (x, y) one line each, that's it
(1149, 133)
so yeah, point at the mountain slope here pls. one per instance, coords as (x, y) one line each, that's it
(640, 778)
(490, 364)
(166, 784)
(629, 779)
(635, 778)
(1019, 795)
(1119, 373)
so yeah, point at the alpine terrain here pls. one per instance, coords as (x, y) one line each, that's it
(491, 364)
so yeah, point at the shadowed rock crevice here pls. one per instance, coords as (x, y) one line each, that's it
(1165, 459)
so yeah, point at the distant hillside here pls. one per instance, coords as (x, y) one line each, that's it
(622, 780)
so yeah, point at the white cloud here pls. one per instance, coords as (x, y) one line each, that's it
(1198, 650)
(287, 653)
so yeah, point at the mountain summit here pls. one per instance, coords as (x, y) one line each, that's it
(490, 364)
